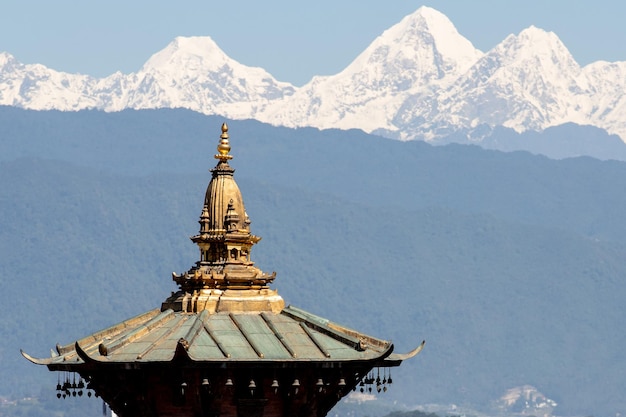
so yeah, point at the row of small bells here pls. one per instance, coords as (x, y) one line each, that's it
(369, 383)
(295, 385)
(71, 388)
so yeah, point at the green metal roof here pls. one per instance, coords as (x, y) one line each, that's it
(292, 335)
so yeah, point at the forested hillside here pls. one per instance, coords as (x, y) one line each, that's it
(509, 265)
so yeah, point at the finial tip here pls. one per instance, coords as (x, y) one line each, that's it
(224, 146)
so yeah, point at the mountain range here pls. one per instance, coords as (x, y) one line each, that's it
(420, 79)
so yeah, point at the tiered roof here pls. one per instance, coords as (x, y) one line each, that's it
(224, 312)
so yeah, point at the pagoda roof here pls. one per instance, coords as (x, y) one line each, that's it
(292, 335)
(224, 314)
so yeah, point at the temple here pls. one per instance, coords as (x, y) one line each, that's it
(224, 344)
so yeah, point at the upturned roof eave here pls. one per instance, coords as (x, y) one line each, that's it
(333, 343)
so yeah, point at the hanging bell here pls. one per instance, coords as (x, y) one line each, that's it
(229, 382)
(252, 386)
(342, 382)
(296, 385)
(275, 386)
(320, 384)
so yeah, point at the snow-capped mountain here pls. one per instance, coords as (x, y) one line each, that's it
(525, 401)
(528, 81)
(420, 79)
(191, 73)
(607, 102)
(421, 52)
(195, 73)
(37, 87)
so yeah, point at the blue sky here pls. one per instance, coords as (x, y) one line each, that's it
(292, 40)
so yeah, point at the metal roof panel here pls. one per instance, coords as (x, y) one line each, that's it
(291, 335)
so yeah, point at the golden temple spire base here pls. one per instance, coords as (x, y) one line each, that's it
(230, 300)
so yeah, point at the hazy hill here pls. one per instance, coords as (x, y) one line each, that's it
(509, 265)
(580, 194)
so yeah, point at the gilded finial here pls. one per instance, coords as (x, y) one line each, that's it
(224, 146)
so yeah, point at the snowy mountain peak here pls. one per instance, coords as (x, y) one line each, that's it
(446, 38)
(533, 31)
(526, 401)
(538, 37)
(422, 49)
(426, 17)
(420, 79)
(194, 73)
(540, 70)
(190, 52)
(6, 60)
(533, 44)
(426, 42)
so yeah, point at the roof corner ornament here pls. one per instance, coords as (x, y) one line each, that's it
(224, 146)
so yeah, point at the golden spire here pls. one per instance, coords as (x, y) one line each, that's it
(224, 146)
(225, 278)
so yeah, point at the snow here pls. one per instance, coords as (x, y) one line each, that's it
(419, 79)
(369, 92)
(526, 400)
(197, 52)
(5, 59)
